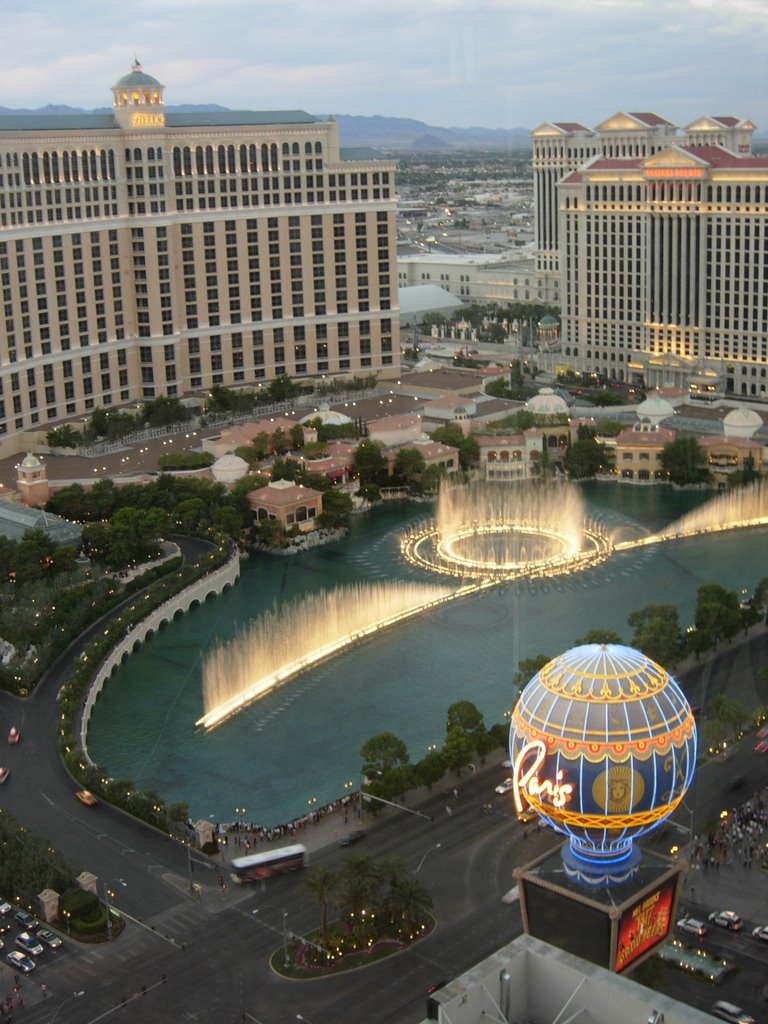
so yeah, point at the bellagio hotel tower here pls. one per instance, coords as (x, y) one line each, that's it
(147, 253)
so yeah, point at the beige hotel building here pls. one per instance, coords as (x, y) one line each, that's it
(147, 253)
(660, 240)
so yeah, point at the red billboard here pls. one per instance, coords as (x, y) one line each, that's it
(644, 925)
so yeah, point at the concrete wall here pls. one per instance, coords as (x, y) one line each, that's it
(208, 586)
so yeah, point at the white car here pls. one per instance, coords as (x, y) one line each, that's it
(734, 1014)
(28, 944)
(5, 908)
(505, 786)
(692, 926)
(761, 933)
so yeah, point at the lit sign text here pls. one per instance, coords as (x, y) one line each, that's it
(526, 781)
(674, 172)
(147, 120)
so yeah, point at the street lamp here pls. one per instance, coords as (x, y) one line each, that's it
(270, 906)
(75, 995)
(425, 855)
(107, 893)
(67, 914)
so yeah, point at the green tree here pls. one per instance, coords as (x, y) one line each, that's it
(586, 456)
(322, 883)
(458, 749)
(684, 461)
(409, 902)
(368, 461)
(452, 435)
(33, 557)
(409, 464)
(359, 882)
(280, 442)
(383, 752)
(261, 445)
(657, 633)
(599, 636)
(337, 506)
(297, 436)
(432, 477)
(431, 768)
(64, 437)
(718, 615)
(464, 715)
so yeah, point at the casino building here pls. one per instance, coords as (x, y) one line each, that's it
(660, 240)
(147, 253)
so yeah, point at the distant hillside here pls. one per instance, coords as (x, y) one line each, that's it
(405, 133)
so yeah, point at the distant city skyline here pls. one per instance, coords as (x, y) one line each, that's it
(448, 63)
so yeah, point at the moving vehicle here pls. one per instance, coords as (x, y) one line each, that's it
(4, 773)
(49, 938)
(726, 919)
(29, 944)
(20, 961)
(5, 908)
(505, 786)
(87, 798)
(735, 1014)
(352, 837)
(13, 735)
(272, 862)
(692, 926)
(761, 933)
(25, 920)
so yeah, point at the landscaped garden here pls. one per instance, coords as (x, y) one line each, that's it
(382, 908)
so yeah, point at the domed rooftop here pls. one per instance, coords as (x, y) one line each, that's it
(655, 408)
(742, 422)
(547, 403)
(137, 79)
(229, 468)
(30, 461)
(336, 419)
(548, 321)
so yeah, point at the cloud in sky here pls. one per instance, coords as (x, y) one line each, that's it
(496, 63)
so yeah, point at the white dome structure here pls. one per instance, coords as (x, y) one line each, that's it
(335, 419)
(655, 409)
(547, 403)
(228, 469)
(742, 422)
(30, 461)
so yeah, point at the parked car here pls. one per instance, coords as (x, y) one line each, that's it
(20, 961)
(49, 938)
(734, 1014)
(4, 773)
(692, 926)
(25, 920)
(5, 908)
(726, 919)
(505, 786)
(13, 735)
(87, 798)
(761, 933)
(352, 837)
(29, 944)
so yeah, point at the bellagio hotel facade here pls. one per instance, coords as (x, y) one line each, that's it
(145, 253)
(659, 237)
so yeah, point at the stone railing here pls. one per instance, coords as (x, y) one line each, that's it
(210, 585)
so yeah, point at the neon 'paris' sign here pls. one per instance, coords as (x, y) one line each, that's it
(526, 781)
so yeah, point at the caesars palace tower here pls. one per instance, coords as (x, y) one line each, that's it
(147, 253)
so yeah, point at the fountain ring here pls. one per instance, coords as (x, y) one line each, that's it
(549, 551)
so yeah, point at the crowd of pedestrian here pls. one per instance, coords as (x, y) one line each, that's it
(246, 834)
(739, 838)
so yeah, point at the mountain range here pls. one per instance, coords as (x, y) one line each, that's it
(388, 133)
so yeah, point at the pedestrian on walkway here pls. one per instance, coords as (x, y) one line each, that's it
(448, 810)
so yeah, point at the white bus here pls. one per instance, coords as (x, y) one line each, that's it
(271, 862)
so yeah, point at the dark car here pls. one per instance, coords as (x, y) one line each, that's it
(352, 837)
(25, 920)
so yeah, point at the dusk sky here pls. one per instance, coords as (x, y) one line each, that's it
(450, 63)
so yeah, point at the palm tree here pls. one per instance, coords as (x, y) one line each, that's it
(360, 882)
(393, 872)
(412, 900)
(322, 883)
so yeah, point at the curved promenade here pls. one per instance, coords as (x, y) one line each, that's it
(213, 583)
